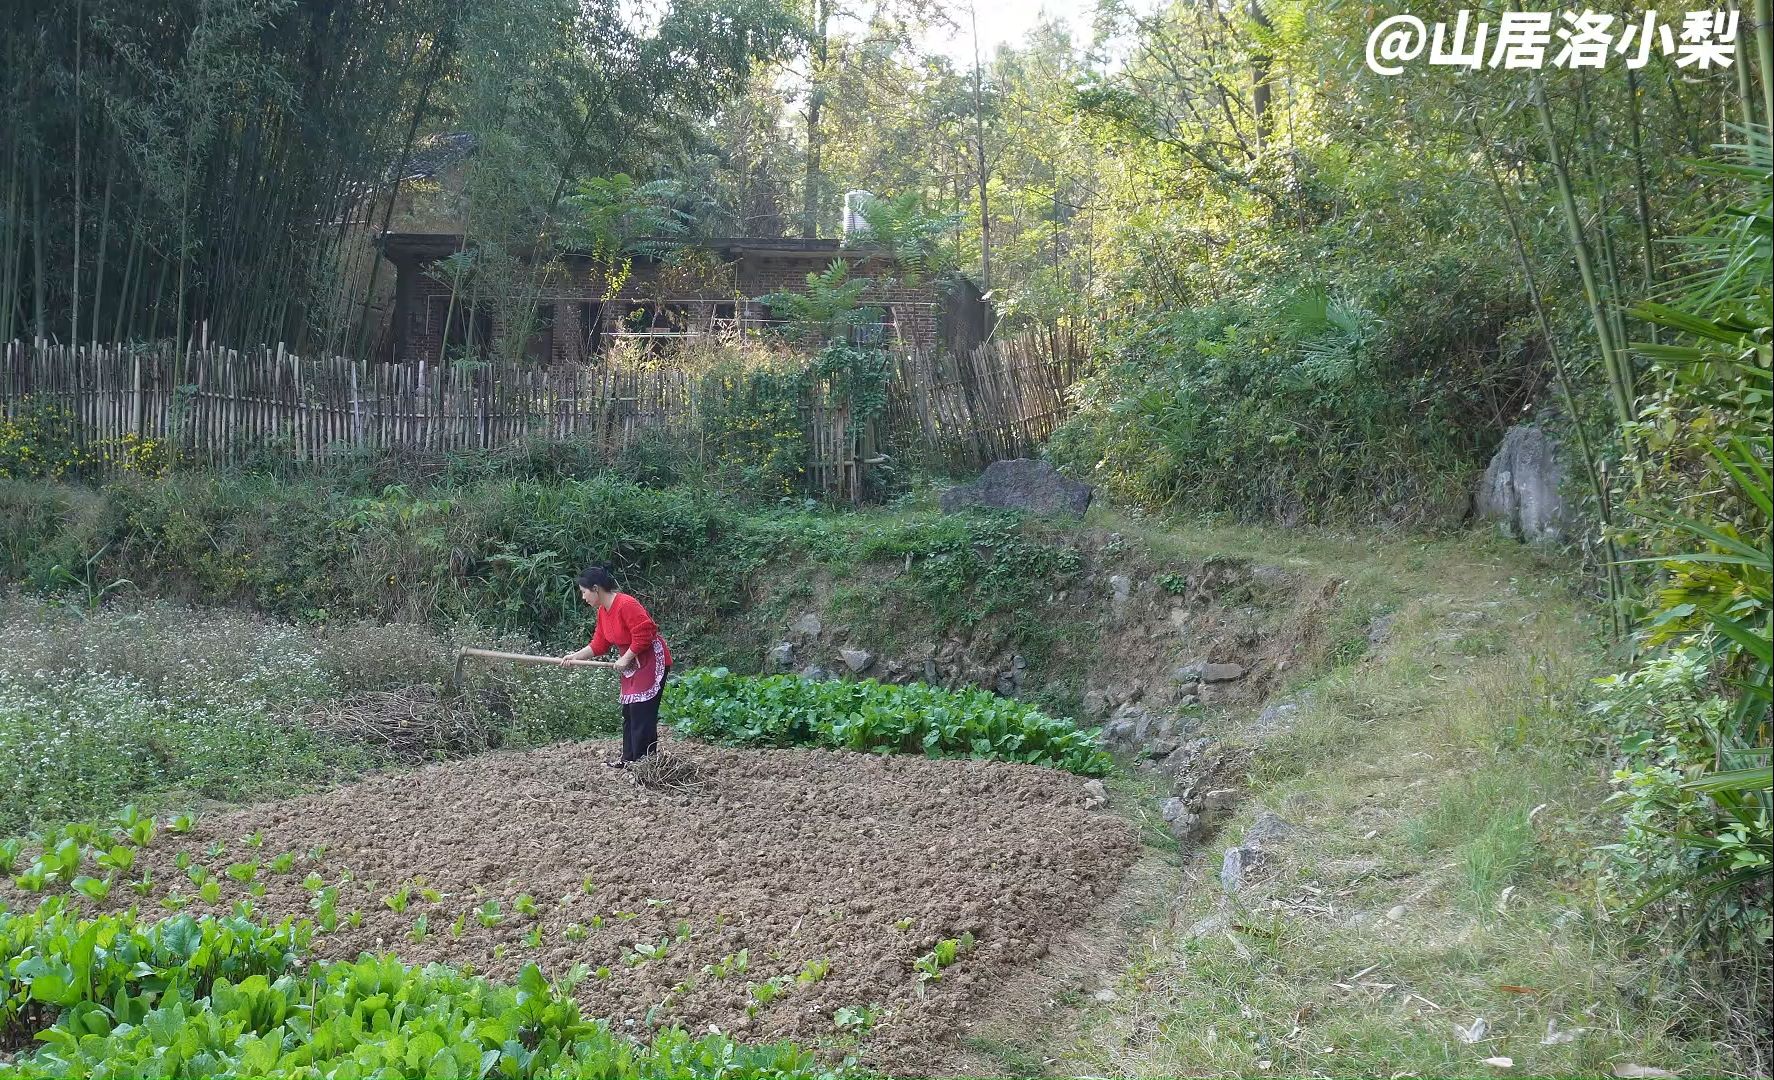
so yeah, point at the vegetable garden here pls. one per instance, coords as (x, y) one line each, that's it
(799, 908)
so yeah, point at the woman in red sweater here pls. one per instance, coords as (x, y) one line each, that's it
(644, 661)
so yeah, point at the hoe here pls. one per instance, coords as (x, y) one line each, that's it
(521, 658)
(658, 770)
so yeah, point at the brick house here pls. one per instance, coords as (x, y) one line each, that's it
(581, 313)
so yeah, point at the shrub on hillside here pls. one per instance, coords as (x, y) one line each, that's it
(1679, 842)
(41, 440)
(786, 710)
(1298, 405)
(1693, 721)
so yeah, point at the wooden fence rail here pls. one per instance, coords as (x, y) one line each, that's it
(215, 406)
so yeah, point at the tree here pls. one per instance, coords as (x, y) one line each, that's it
(237, 152)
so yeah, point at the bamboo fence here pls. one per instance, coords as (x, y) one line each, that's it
(215, 406)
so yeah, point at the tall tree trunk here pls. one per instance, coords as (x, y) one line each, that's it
(98, 276)
(12, 243)
(126, 293)
(1260, 63)
(39, 268)
(1746, 95)
(816, 61)
(1641, 185)
(979, 147)
(74, 278)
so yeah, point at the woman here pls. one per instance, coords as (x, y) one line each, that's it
(645, 661)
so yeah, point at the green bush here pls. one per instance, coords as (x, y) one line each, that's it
(41, 439)
(785, 710)
(1676, 840)
(1693, 721)
(1294, 404)
(498, 553)
(226, 997)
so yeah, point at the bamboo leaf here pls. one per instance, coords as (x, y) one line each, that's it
(1757, 645)
(1756, 778)
(1762, 556)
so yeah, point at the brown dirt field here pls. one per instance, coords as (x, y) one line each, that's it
(793, 855)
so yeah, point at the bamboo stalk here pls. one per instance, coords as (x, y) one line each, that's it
(1619, 381)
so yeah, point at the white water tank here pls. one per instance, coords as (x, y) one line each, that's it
(856, 227)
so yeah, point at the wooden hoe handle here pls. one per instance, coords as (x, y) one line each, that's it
(532, 658)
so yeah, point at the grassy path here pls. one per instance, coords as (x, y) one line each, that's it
(1431, 914)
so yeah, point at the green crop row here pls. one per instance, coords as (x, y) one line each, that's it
(116, 997)
(784, 710)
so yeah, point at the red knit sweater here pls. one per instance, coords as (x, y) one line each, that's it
(625, 624)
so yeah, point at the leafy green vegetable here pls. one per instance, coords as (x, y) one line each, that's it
(786, 710)
(94, 889)
(929, 966)
(230, 997)
(120, 857)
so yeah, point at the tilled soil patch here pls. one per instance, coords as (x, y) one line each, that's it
(794, 859)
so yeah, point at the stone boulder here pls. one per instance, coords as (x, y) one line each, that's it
(1266, 831)
(1521, 488)
(1020, 484)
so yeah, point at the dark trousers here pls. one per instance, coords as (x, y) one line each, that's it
(640, 726)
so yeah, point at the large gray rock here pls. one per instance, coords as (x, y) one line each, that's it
(1520, 490)
(1268, 829)
(1020, 484)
